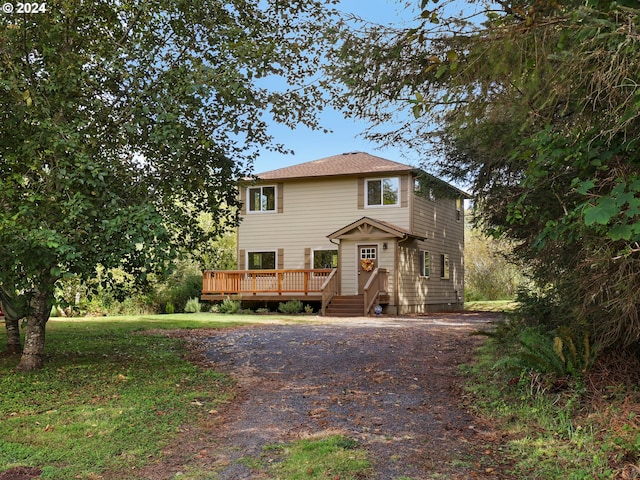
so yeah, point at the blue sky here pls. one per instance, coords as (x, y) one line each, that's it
(311, 145)
(345, 136)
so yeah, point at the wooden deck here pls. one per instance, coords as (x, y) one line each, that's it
(265, 284)
(314, 285)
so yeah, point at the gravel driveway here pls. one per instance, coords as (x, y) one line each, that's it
(390, 383)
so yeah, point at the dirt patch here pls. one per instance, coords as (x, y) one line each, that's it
(21, 473)
(391, 384)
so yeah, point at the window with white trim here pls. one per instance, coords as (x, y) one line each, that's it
(368, 253)
(382, 192)
(425, 264)
(325, 259)
(459, 209)
(261, 199)
(444, 266)
(261, 260)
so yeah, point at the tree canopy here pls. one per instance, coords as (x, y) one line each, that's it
(536, 104)
(122, 121)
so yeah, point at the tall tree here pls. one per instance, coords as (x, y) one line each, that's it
(536, 103)
(122, 120)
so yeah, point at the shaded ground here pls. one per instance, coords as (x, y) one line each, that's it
(391, 384)
(21, 473)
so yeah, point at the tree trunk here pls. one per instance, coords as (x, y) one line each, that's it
(14, 345)
(11, 308)
(33, 354)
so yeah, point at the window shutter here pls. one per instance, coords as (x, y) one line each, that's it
(280, 264)
(280, 189)
(360, 193)
(404, 191)
(241, 260)
(307, 258)
(243, 200)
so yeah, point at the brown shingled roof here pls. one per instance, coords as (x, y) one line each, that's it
(344, 164)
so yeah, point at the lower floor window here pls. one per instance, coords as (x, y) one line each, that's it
(262, 260)
(425, 264)
(325, 259)
(444, 266)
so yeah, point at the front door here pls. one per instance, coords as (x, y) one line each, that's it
(367, 263)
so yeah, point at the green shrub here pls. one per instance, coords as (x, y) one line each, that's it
(292, 306)
(562, 352)
(549, 308)
(308, 309)
(179, 292)
(192, 306)
(230, 306)
(183, 283)
(169, 308)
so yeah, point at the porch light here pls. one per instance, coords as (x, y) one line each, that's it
(384, 246)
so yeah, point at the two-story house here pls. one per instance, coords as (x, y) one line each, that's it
(351, 232)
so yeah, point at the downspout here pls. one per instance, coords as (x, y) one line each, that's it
(396, 273)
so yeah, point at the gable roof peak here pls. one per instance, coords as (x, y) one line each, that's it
(348, 163)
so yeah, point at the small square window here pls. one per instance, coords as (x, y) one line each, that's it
(368, 253)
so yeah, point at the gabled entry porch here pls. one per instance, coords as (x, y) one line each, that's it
(369, 261)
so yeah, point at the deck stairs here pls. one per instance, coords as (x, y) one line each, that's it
(346, 306)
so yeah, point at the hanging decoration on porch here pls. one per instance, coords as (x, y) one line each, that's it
(367, 264)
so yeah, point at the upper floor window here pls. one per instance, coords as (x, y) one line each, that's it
(383, 192)
(262, 199)
(459, 205)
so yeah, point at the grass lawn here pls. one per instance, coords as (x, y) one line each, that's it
(108, 398)
(491, 305)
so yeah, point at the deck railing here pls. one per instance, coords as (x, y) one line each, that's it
(276, 282)
(330, 288)
(377, 284)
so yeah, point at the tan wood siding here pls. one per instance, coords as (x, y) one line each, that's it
(437, 221)
(313, 209)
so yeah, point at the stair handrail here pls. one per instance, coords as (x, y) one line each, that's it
(329, 290)
(371, 295)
